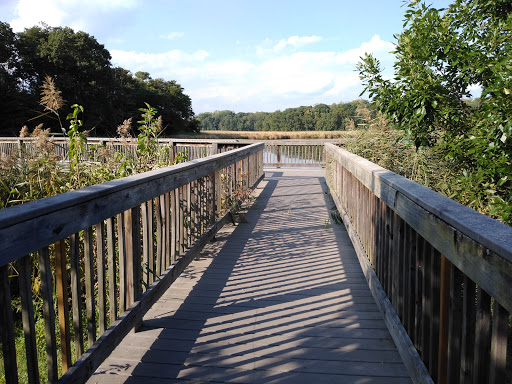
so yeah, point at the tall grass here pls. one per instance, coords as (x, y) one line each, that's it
(267, 135)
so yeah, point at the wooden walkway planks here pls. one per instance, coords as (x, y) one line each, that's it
(278, 299)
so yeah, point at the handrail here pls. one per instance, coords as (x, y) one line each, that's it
(278, 153)
(132, 237)
(440, 263)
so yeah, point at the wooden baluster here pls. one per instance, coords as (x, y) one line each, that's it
(410, 277)
(133, 256)
(146, 244)
(112, 273)
(426, 305)
(27, 314)
(499, 344)
(418, 288)
(7, 332)
(167, 215)
(482, 356)
(173, 218)
(89, 287)
(444, 319)
(468, 331)
(45, 275)
(150, 239)
(159, 236)
(122, 270)
(76, 294)
(102, 287)
(455, 331)
(434, 303)
(188, 196)
(61, 279)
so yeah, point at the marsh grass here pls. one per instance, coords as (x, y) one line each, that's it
(392, 150)
(267, 135)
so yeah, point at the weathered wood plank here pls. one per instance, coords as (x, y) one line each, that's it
(27, 314)
(444, 318)
(48, 314)
(90, 302)
(90, 361)
(7, 329)
(482, 338)
(102, 285)
(408, 352)
(76, 294)
(112, 270)
(455, 332)
(61, 279)
(498, 371)
(458, 232)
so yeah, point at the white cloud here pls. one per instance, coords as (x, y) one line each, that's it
(74, 13)
(173, 35)
(279, 82)
(376, 44)
(296, 41)
(157, 63)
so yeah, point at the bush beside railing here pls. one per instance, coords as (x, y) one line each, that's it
(446, 269)
(129, 237)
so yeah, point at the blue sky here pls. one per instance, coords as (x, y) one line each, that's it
(241, 55)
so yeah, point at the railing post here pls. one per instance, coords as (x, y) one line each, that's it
(278, 156)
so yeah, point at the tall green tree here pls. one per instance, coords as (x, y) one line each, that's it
(442, 55)
(13, 98)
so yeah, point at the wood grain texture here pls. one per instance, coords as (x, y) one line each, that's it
(27, 314)
(92, 358)
(408, 352)
(7, 330)
(258, 308)
(48, 314)
(478, 245)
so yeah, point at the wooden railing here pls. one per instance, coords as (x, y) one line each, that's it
(294, 153)
(196, 149)
(277, 153)
(106, 253)
(446, 269)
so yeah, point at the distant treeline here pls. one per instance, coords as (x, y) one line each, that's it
(82, 71)
(321, 117)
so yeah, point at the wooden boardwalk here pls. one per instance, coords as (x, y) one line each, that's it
(279, 299)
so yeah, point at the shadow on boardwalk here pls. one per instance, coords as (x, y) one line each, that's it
(278, 299)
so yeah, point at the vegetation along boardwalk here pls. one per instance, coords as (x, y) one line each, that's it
(279, 298)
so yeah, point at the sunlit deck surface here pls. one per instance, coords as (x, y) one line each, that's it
(279, 299)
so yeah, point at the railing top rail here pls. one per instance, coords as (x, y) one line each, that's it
(28, 227)
(490, 233)
(177, 140)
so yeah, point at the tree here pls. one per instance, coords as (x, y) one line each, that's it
(12, 98)
(441, 55)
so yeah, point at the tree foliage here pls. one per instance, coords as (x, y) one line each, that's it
(320, 117)
(81, 69)
(441, 56)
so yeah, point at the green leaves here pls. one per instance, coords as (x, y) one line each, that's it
(440, 56)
